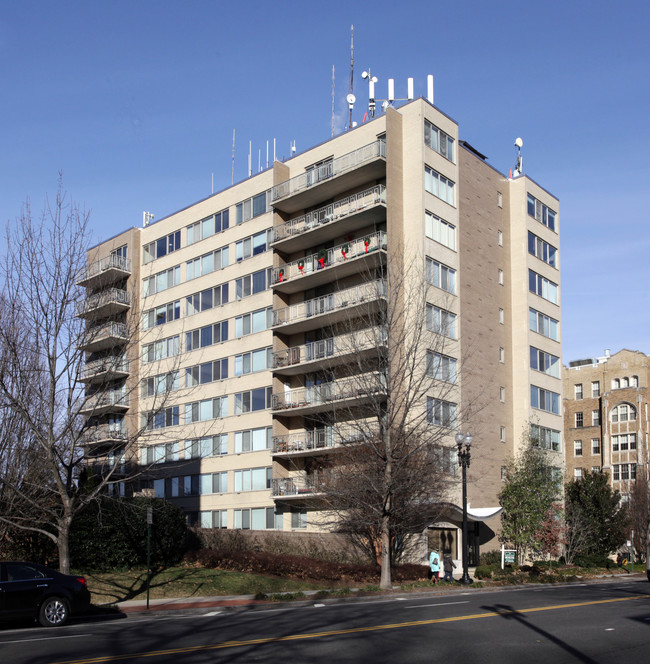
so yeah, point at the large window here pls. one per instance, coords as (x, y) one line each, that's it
(161, 349)
(257, 518)
(544, 400)
(213, 483)
(206, 336)
(253, 440)
(161, 315)
(161, 281)
(541, 213)
(208, 409)
(441, 413)
(160, 384)
(549, 439)
(252, 207)
(252, 400)
(440, 275)
(213, 519)
(253, 361)
(167, 417)
(439, 185)
(253, 245)
(438, 140)
(253, 479)
(624, 471)
(252, 283)
(206, 299)
(441, 367)
(624, 413)
(257, 321)
(207, 227)
(161, 247)
(441, 321)
(543, 324)
(542, 250)
(207, 372)
(207, 446)
(207, 263)
(542, 286)
(544, 362)
(624, 442)
(440, 230)
(579, 420)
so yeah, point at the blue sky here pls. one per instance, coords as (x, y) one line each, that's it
(135, 102)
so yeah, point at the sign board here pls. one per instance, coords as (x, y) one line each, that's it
(509, 557)
(149, 516)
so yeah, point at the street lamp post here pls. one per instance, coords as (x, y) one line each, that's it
(464, 443)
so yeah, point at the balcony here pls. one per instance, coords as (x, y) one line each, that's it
(104, 433)
(331, 179)
(357, 346)
(343, 393)
(297, 487)
(104, 337)
(108, 270)
(329, 309)
(111, 401)
(105, 369)
(104, 304)
(311, 443)
(361, 255)
(321, 226)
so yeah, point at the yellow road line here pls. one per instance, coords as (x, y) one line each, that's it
(338, 632)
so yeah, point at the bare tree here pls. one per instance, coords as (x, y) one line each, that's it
(391, 410)
(48, 411)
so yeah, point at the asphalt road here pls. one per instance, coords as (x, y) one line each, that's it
(607, 622)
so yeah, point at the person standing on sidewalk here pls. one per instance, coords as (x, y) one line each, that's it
(434, 565)
(448, 566)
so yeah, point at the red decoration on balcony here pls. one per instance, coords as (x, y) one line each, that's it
(281, 276)
(321, 263)
(345, 249)
(366, 243)
(301, 266)
(322, 258)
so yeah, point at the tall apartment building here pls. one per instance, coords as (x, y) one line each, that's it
(238, 297)
(606, 416)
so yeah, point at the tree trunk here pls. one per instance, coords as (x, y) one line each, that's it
(63, 544)
(386, 582)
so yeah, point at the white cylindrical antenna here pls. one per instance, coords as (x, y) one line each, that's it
(267, 154)
(371, 87)
(259, 160)
(293, 147)
(391, 89)
(250, 158)
(430, 88)
(232, 180)
(410, 89)
(213, 182)
(274, 149)
(147, 217)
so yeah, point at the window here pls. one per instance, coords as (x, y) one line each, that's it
(258, 518)
(595, 445)
(541, 213)
(213, 519)
(548, 439)
(595, 388)
(501, 316)
(502, 355)
(542, 250)
(542, 286)
(595, 418)
(167, 417)
(439, 230)
(440, 275)
(500, 238)
(161, 315)
(206, 299)
(625, 382)
(319, 171)
(207, 446)
(257, 321)
(441, 413)
(252, 207)
(500, 276)
(208, 409)
(624, 442)
(207, 227)
(253, 245)
(206, 336)
(441, 367)
(207, 372)
(578, 420)
(616, 384)
(298, 517)
(252, 283)
(544, 400)
(634, 381)
(160, 384)
(438, 185)
(253, 440)
(252, 479)
(545, 362)
(577, 448)
(213, 483)
(438, 140)
(256, 360)
(502, 394)
(623, 413)
(159, 350)
(577, 391)
(624, 471)
(499, 199)
(121, 253)
(441, 321)
(543, 324)
(215, 260)
(161, 281)
(502, 434)
(577, 473)
(252, 400)
(161, 247)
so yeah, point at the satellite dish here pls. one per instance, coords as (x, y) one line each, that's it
(519, 142)
(351, 99)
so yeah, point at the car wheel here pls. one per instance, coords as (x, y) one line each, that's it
(53, 612)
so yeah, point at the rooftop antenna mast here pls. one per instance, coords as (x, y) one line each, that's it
(332, 136)
(519, 165)
(371, 90)
(351, 98)
(232, 177)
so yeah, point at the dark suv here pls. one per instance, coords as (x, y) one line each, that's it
(32, 590)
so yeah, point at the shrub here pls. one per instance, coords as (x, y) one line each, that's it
(593, 560)
(491, 558)
(485, 571)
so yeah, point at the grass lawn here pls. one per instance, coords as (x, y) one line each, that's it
(119, 586)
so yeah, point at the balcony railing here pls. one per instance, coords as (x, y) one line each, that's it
(329, 303)
(329, 257)
(296, 486)
(316, 440)
(104, 433)
(105, 336)
(113, 263)
(105, 365)
(113, 298)
(106, 401)
(332, 212)
(328, 170)
(358, 387)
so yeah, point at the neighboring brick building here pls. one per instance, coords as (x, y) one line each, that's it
(606, 416)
